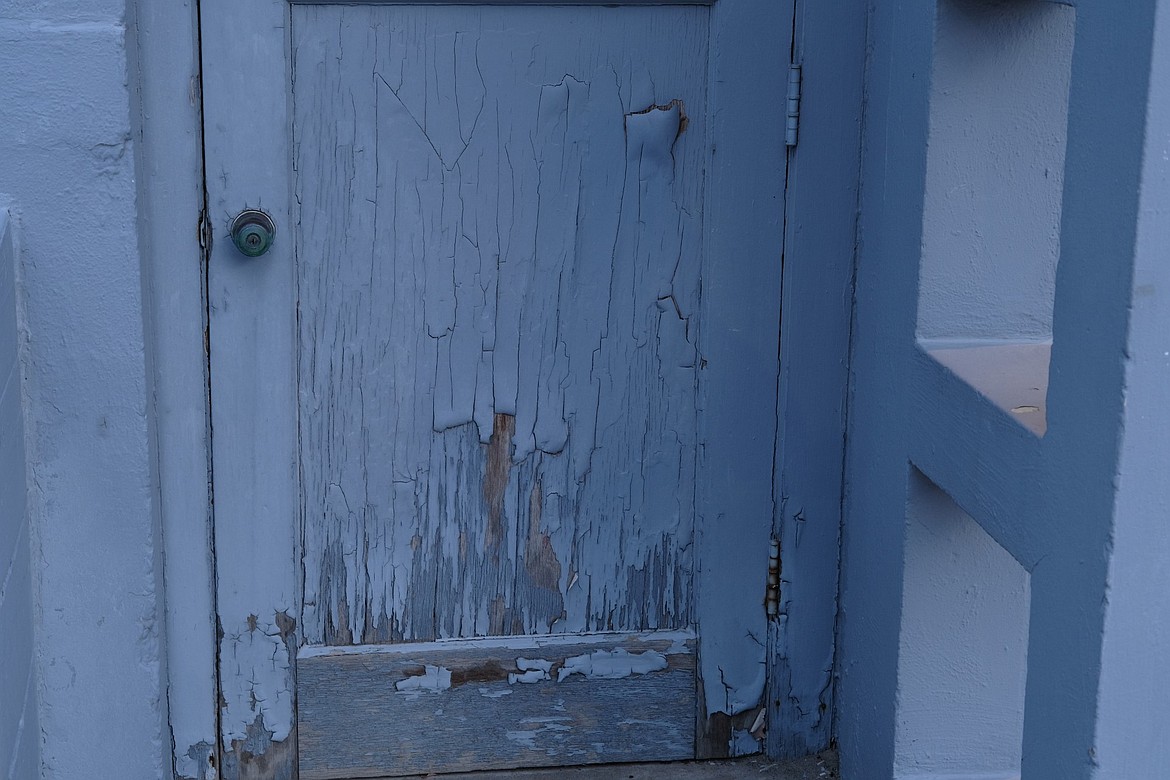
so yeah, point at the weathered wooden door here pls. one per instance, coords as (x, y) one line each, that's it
(493, 419)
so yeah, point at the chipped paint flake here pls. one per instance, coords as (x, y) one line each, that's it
(612, 664)
(433, 679)
(525, 739)
(488, 693)
(550, 728)
(743, 743)
(532, 670)
(261, 645)
(527, 664)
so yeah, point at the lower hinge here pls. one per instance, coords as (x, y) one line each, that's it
(205, 232)
(772, 596)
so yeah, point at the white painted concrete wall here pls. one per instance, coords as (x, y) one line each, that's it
(994, 170)
(68, 162)
(963, 647)
(1077, 502)
(19, 732)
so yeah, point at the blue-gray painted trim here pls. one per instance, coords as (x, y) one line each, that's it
(1103, 164)
(744, 231)
(169, 153)
(951, 431)
(252, 323)
(890, 228)
(1133, 716)
(817, 299)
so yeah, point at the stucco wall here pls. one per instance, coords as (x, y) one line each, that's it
(67, 161)
(19, 733)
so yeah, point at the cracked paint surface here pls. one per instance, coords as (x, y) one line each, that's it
(261, 700)
(499, 254)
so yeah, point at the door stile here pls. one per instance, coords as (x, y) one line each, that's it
(744, 220)
(252, 326)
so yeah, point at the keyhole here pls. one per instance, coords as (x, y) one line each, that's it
(252, 232)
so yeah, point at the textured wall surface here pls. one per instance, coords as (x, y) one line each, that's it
(68, 162)
(994, 169)
(964, 644)
(19, 733)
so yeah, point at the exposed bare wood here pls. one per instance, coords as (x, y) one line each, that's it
(462, 706)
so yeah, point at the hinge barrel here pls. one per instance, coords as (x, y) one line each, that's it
(792, 115)
(205, 232)
(772, 599)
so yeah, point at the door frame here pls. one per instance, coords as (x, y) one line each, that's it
(819, 220)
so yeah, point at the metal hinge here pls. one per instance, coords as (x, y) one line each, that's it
(792, 121)
(205, 231)
(772, 595)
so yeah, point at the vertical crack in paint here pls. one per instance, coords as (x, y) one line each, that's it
(498, 324)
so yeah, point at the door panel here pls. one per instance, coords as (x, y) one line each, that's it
(520, 701)
(498, 246)
(507, 375)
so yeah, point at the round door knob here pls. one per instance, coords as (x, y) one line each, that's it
(253, 232)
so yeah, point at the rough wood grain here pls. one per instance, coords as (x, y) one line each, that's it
(471, 705)
(499, 248)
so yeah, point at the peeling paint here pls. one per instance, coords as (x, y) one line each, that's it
(495, 479)
(197, 762)
(677, 642)
(433, 678)
(345, 712)
(743, 743)
(527, 664)
(499, 320)
(488, 693)
(612, 664)
(265, 701)
(530, 676)
(258, 756)
(528, 738)
(531, 671)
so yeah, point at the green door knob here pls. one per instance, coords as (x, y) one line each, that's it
(253, 232)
